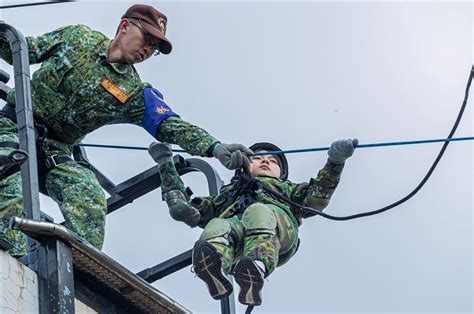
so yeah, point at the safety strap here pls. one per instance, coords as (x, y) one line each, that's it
(245, 191)
(249, 309)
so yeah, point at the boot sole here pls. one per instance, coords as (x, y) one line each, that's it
(208, 267)
(250, 281)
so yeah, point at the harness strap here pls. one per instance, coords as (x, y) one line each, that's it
(41, 129)
(45, 164)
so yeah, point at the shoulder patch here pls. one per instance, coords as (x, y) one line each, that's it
(114, 90)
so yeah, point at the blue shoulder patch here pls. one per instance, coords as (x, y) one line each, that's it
(156, 110)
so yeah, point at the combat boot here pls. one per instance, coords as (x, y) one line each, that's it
(207, 266)
(250, 278)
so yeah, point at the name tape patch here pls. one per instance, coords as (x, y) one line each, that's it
(114, 90)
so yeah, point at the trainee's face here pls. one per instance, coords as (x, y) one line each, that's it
(265, 165)
(132, 41)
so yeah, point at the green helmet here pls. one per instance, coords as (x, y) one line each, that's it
(281, 157)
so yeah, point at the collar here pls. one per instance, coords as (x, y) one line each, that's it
(118, 67)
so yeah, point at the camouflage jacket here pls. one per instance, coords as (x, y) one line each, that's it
(76, 90)
(315, 194)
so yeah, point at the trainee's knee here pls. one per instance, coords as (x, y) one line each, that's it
(217, 231)
(259, 218)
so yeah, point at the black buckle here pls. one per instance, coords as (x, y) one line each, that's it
(41, 131)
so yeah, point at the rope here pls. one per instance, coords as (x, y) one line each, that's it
(304, 150)
(276, 152)
(11, 6)
(420, 185)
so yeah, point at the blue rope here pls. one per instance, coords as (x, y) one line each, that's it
(305, 149)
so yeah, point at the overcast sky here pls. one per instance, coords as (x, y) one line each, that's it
(303, 75)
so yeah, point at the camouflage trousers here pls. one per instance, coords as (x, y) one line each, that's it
(75, 188)
(272, 249)
(170, 179)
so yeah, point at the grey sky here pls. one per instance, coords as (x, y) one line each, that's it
(303, 75)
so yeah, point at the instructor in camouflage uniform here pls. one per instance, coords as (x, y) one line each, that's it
(248, 234)
(87, 81)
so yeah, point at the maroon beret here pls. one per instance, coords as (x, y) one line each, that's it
(153, 21)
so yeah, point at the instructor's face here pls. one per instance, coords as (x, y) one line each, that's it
(135, 48)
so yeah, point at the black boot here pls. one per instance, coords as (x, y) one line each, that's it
(208, 267)
(250, 279)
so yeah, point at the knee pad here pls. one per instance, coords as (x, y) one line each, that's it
(217, 230)
(258, 218)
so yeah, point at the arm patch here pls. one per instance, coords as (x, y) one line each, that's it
(156, 110)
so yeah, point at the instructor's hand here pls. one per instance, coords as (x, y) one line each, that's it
(232, 156)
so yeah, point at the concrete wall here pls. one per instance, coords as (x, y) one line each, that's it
(19, 289)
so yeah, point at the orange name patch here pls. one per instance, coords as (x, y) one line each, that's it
(114, 90)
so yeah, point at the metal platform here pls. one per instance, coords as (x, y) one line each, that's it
(96, 270)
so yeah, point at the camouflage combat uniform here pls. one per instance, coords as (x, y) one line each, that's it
(224, 217)
(75, 92)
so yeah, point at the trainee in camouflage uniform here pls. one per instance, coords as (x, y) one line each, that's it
(248, 235)
(87, 81)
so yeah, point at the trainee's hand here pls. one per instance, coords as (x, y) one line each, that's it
(341, 150)
(232, 156)
(160, 152)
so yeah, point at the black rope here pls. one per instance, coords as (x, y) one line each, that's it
(11, 6)
(249, 309)
(406, 198)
